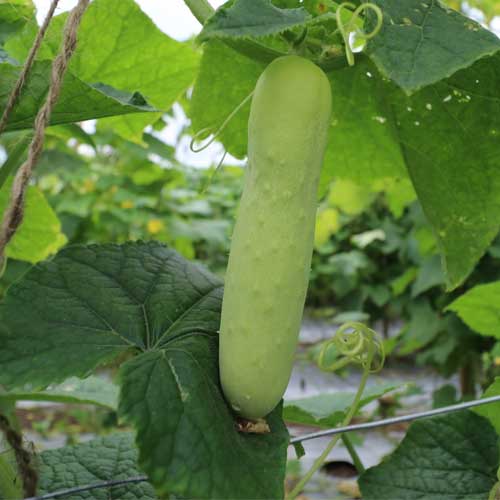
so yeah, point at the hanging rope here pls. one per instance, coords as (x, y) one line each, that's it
(14, 214)
(16, 91)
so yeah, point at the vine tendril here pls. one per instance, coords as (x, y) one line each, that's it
(349, 27)
(219, 130)
(356, 343)
(204, 146)
(210, 179)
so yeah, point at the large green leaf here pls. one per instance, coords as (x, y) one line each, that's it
(187, 438)
(449, 136)
(422, 42)
(453, 457)
(112, 457)
(92, 303)
(78, 100)
(40, 233)
(479, 308)
(252, 18)
(132, 54)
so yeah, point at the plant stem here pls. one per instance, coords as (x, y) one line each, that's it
(200, 9)
(320, 460)
(353, 453)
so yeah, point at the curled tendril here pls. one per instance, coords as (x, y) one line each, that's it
(349, 27)
(215, 134)
(356, 343)
(210, 179)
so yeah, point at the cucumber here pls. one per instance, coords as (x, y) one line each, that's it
(271, 247)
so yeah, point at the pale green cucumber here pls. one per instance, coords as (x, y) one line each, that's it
(270, 257)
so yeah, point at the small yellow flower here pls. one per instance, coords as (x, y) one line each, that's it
(88, 186)
(155, 226)
(127, 204)
(497, 361)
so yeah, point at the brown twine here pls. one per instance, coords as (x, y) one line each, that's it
(14, 213)
(24, 458)
(16, 91)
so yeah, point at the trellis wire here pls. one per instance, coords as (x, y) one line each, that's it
(298, 439)
(81, 489)
(396, 420)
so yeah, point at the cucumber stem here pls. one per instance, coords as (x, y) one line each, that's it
(353, 453)
(349, 416)
(200, 9)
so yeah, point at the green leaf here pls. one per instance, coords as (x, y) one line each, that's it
(452, 349)
(163, 68)
(328, 410)
(401, 283)
(379, 294)
(92, 303)
(40, 233)
(399, 193)
(187, 439)
(422, 42)
(129, 127)
(78, 100)
(430, 274)
(130, 53)
(91, 390)
(445, 134)
(327, 224)
(491, 411)
(444, 396)
(479, 308)
(363, 136)
(14, 14)
(252, 18)
(112, 457)
(424, 327)
(350, 197)
(444, 458)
